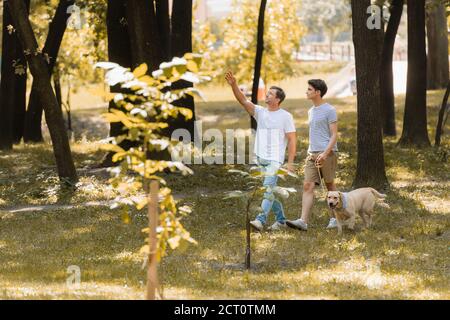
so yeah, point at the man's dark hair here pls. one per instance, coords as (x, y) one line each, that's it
(279, 93)
(319, 85)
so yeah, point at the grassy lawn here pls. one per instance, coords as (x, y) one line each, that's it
(405, 255)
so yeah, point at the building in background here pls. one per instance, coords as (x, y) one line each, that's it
(211, 9)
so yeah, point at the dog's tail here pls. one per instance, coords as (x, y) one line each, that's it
(383, 204)
(381, 198)
(377, 194)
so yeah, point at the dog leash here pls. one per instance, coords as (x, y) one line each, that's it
(321, 178)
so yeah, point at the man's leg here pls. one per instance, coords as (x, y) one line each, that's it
(277, 208)
(269, 197)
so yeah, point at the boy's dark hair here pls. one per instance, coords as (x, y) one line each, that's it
(319, 85)
(279, 93)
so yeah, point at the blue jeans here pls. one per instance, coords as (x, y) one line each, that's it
(270, 181)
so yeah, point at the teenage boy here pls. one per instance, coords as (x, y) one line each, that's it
(322, 158)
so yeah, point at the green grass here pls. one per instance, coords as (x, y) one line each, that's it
(404, 256)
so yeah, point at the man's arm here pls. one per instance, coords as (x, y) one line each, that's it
(292, 146)
(240, 97)
(334, 134)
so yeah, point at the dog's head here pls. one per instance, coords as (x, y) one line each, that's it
(334, 199)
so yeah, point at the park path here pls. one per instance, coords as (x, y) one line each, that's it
(339, 83)
(102, 203)
(51, 207)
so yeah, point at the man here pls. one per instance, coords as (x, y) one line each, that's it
(322, 159)
(275, 131)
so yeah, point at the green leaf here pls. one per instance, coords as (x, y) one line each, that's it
(126, 217)
(192, 66)
(118, 156)
(187, 113)
(245, 174)
(141, 70)
(256, 174)
(174, 242)
(235, 194)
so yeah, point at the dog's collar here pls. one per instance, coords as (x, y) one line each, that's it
(344, 200)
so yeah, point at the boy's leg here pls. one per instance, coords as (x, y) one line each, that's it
(307, 203)
(307, 200)
(312, 179)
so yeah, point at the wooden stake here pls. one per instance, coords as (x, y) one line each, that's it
(152, 274)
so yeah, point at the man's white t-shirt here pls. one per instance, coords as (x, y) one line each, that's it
(271, 140)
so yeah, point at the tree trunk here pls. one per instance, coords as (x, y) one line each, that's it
(370, 169)
(21, 96)
(144, 34)
(57, 86)
(258, 57)
(387, 76)
(441, 119)
(415, 118)
(438, 66)
(57, 28)
(163, 21)
(181, 43)
(12, 86)
(39, 70)
(119, 51)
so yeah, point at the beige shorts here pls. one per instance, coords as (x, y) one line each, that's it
(328, 169)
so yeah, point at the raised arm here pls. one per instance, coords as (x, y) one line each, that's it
(240, 97)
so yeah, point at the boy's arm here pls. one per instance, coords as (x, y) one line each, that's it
(240, 97)
(334, 135)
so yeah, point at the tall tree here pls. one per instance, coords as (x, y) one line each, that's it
(163, 20)
(370, 169)
(443, 114)
(148, 35)
(57, 28)
(438, 66)
(119, 51)
(258, 57)
(143, 33)
(387, 76)
(39, 70)
(12, 85)
(181, 43)
(415, 118)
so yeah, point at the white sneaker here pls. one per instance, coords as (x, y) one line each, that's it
(297, 224)
(332, 224)
(257, 225)
(277, 226)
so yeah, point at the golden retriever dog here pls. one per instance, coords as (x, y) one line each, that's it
(345, 206)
